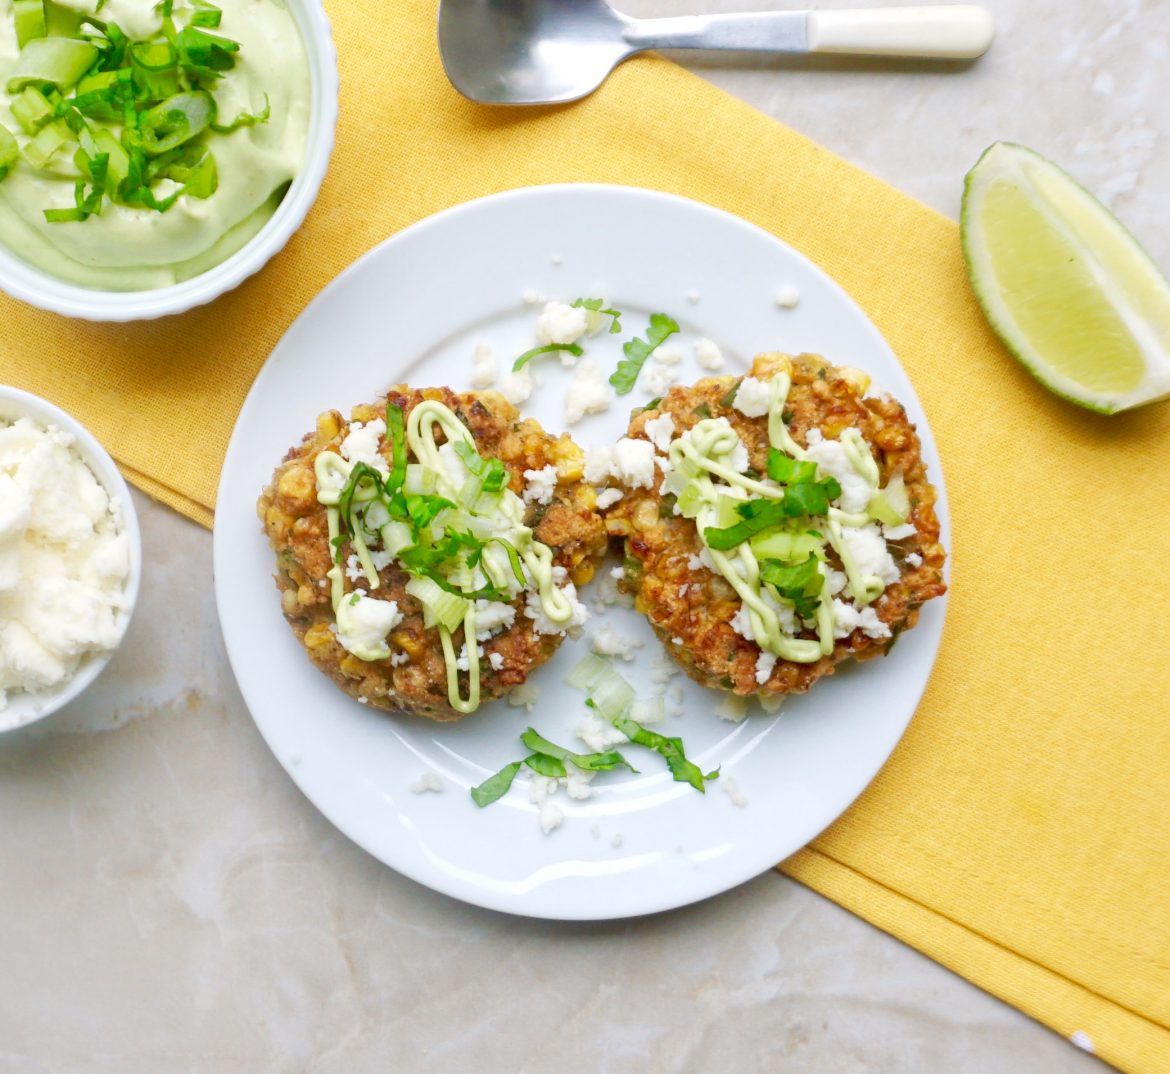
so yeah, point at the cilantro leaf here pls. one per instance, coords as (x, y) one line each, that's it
(548, 348)
(789, 471)
(587, 762)
(597, 305)
(671, 749)
(545, 765)
(495, 787)
(637, 350)
(798, 582)
(756, 516)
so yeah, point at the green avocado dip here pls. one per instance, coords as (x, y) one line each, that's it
(143, 143)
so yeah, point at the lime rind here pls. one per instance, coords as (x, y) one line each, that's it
(1145, 314)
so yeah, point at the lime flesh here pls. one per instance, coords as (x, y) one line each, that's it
(1066, 287)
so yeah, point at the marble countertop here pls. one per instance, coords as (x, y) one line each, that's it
(169, 901)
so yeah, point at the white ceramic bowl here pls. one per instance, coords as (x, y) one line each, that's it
(38, 288)
(22, 708)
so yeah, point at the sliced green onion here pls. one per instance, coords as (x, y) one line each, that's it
(599, 311)
(177, 120)
(54, 61)
(613, 696)
(45, 145)
(590, 670)
(419, 479)
(206, 15)
(31, 110)
(782, 544)
(548, 348)
(395, 537)
(9, 150)
(29, 16)
(891, 505)
(245, 119)
(439, 606)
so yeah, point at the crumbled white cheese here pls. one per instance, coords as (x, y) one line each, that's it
(551, 817)
(607, 498)
(589, 393)
(496, 660)
(615, 840)
(832, 461)
(694, 297)
(598, 733)
(708, 354)
(542, 624)
(741, 623)
(492, 616)
(64, 560)
(765, 662)
(361, 444)
(733, 709)
(914, 560)
(847, 618)
(869, 552)
(897, 533)
(524, 696)
(837, 581)
(516, 387)
(462, 662)
(598, 465)
(663, 669)
(428, 781)
(787, 297)
(633, 462)
(455, 468)
(667, 354)
(531, 296)
(398, 659)
(367, 622)
(660, 430)
(379, 557)
(731, 789)
(484, 368)
(695, 563)
(540, 485)
(560, 323)
(540, 789)
(657, 377)
(618, 572)
(609, 642)
(353, 569)
(576, 783)
(607, 592)
(753, 397)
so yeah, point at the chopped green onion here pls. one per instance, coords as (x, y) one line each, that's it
(785, 545)
(439, 607)
(45, 145)
(395, 427)
(29, 16)
(548, 348)
(31, 110)
(9, 150)
(495, 787)
(53, 61)
(891, 505)
(177, 120)
(206, 15)
(637, 350)
(245, 119)
(613, 696)
(488, 475)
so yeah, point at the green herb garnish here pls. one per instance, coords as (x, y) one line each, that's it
(789, 471)
(495, 787)
(672, 751)
(597, 305)
(637, 350)
(587, 762)
(548, 348)
(799, 583)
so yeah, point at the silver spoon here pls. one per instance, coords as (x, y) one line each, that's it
(551, 51)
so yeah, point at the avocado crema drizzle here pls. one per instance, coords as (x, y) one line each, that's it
(478, 524)
(704, 454)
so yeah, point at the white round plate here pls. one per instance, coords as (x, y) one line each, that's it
(413, 310)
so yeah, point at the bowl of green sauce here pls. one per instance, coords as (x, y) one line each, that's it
(153, 155)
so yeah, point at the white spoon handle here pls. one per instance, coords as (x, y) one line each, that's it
(956, 32)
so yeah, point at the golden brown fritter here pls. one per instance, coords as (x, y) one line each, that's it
(298, 532)
(691, 608)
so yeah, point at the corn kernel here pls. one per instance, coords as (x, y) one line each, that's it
(583, 573)
(318, 636)
(328, 425)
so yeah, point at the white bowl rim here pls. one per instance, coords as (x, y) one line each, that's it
(14, 403)
(40, 289)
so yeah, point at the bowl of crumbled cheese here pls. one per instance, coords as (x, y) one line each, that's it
(70, 558)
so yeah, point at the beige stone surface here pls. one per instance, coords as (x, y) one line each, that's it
(170, 902)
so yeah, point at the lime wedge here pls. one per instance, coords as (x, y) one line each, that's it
(1066, 287)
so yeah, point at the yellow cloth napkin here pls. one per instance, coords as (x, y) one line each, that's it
(1021, 832)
